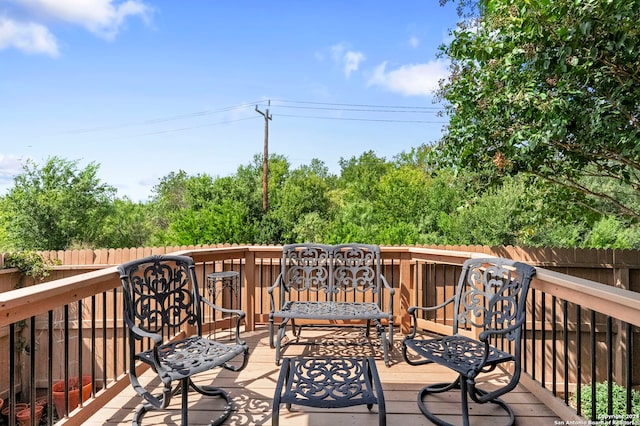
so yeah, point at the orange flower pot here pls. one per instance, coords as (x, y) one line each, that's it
(18, 407)
(74, 394)
(24, 416)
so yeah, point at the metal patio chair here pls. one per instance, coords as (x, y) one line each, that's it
(488, 314)
(161, 299)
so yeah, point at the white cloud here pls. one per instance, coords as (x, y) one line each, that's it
(350, 60)
(29, 37)
(10, 167)
(410, 80)
(102, 17)
(414, 41)
(32, 34)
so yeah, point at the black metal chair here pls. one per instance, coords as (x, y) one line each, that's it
(161, 299)
(489, 311)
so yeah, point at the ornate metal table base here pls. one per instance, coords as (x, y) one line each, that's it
(329, 383)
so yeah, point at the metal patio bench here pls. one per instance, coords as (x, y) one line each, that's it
(333, 285)
(161, 299)
(488, 314)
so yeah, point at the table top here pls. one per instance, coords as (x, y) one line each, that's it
(222, 275)
(330, 382)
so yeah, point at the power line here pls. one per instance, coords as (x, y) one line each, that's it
(163, 119)
(358, 105)
(182, 129)
(404, 111)
(295, 104)
(361, 119)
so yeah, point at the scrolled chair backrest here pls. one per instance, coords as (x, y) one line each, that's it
(491, 294)
(161, 293)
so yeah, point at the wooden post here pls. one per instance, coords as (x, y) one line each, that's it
(248, 290)
(405, 289)
(620, 280)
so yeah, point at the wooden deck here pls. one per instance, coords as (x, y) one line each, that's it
(252, 390)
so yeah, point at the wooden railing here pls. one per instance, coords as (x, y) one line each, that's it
(85, 312)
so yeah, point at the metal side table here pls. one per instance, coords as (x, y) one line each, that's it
(223, 289)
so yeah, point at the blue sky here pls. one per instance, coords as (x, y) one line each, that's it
(144, 88)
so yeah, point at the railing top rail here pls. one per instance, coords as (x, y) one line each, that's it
(609, 300)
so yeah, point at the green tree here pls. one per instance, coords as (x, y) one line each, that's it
(302, 205)
(56, 205)
(224, 222)
(129, 224)
(550, 88)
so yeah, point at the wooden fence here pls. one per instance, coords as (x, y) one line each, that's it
(620, 268)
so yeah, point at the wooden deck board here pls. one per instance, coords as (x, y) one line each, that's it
(252, 390)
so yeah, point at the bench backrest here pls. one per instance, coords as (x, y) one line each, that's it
(344, 272)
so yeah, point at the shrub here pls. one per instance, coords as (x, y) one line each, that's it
(619, 396)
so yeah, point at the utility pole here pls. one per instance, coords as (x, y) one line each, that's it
(265, 158)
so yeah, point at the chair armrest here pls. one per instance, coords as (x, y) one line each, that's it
(412, 310)
(238, 312)
(277, 283)
(484, 335)
(392, 292)
(141, 334)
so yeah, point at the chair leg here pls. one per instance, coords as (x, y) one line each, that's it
(213, 391)
(382, 335)
(152, 402)
(282, 329)
(184, 384)
(463, 386)
(271, 330)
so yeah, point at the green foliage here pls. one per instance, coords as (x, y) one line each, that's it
(55, 205)
(551, 89)
(128, 224)
(30, 264)
(611, 232)
(224, 222)
(619, 398)
(411, 200)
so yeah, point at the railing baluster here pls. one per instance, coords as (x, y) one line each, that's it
(578, 360)
(80, 367)
(593, 365)
(533, 334)
(93, 345)
(104, 339)
(565, 341)
(554, 351)
(32, 364)
(115, 335)
(629, 349)
(609, 365)
(50, 367)
(543, 339)
(66, 360)
(12, 369)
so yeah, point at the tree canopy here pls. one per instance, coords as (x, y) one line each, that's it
(55, 205)
(550, 88)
